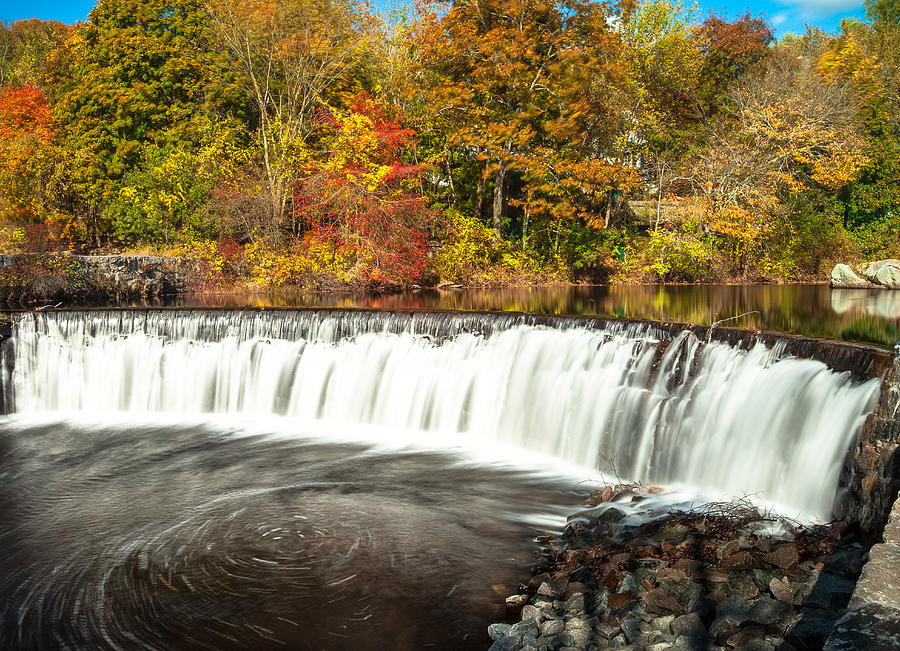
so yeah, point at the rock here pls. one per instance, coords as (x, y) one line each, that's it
(745, 635)
(729, 548)
(725, 626)
(867, 626)
(554, 589)
(844, 276)
(577, 622)
(686, 592)
(583, 576)
(561, 641)
(516, 601)
(705, 609)
(525, 627)
(741, 585)
(757, 645)
(659, 601)
(537, 580)
(618, 642)
(608, 628)
(581, 636)
(617, 601)
(885, 273)
(685, 643)
(529, 641)
(532, 612)
(552, 627)
(663, 624)
(599, 605)
(782, 590)
(829, 591)
(772, 614)
(734, 607)
(736, 559)
(786, 557)
(631, 629)
(508, 643)
(604, 514)
(573, 588)
(689, 625)
(496, 631)
(762, 578)
(630, 584)
(575, 604)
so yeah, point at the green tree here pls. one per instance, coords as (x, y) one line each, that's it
(139, 72)
(166, 198)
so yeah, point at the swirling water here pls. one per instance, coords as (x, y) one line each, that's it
(141, 513)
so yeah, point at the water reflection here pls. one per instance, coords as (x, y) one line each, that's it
(859, 315)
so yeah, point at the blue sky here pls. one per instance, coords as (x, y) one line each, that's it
(784, 15)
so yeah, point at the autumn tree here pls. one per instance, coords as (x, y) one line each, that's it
(362, 198)
(785, 134)
(867, 59)
(529, 96)
(663, 58)
(883, 12)
(294, 57)
(138, 73)
(28, 159)
(25, 47)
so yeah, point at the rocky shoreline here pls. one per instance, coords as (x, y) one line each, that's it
(725, 576)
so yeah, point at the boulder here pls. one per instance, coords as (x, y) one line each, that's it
(883, 272)
(844, 276)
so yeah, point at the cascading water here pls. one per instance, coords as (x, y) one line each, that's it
(618, 399)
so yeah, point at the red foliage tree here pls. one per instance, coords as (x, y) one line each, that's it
(730, 50)
(363, 197)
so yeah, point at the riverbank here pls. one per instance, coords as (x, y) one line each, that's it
(61, 276)
(722, 577)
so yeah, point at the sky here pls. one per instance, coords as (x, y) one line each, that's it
(784, 15)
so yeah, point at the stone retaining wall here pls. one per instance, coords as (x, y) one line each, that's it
(872, 620)
(141, 275)
(872, 470)
(103, 276)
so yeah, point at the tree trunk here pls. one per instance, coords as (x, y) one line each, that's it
(479, 196)
(607, 223)
(499, 183)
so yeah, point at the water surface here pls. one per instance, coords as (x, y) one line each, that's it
(858, 315)
(123, 533)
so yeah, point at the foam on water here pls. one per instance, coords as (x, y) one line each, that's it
(617, 400)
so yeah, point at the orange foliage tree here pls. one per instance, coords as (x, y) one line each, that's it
(27, 158)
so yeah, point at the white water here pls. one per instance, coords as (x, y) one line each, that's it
(741, 423)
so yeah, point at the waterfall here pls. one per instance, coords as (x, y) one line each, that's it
(627, 400)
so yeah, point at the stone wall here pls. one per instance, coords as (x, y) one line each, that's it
(141, 275)
(872, 620)
(95, 276)
(872, 469)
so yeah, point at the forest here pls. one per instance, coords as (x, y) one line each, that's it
(326, 145)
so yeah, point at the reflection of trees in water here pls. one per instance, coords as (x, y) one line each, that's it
(866, 316)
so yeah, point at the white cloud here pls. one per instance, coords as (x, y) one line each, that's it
(822, 8)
